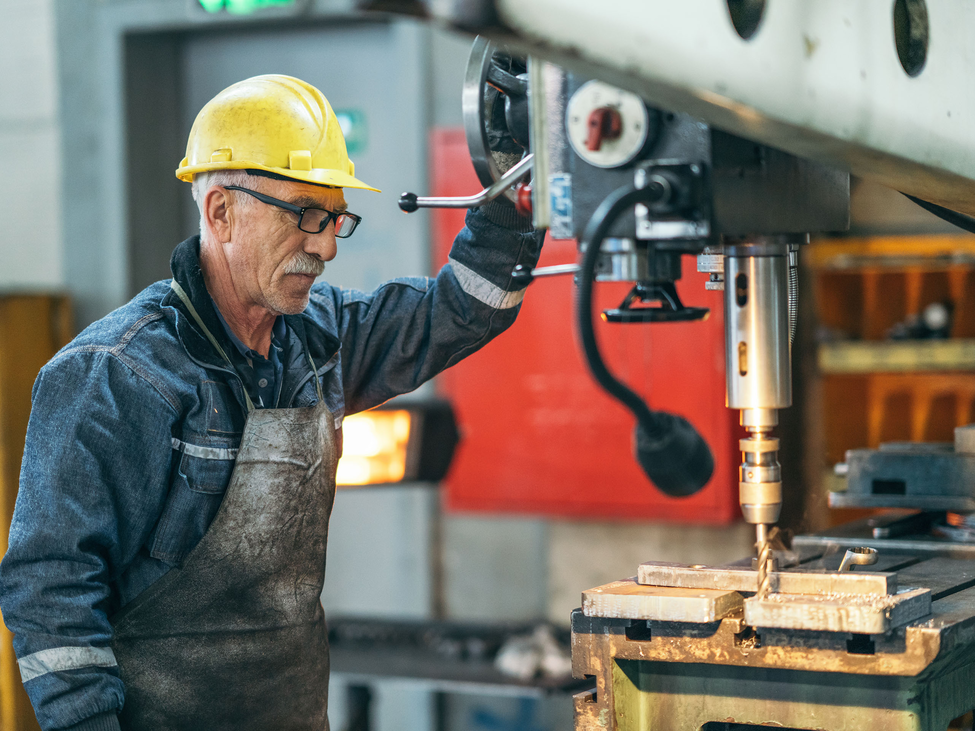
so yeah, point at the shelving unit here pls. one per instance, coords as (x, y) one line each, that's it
(899, 356)
(875, 389)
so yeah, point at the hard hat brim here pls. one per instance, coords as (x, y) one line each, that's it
(315, 176)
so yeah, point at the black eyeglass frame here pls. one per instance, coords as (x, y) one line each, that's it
(300, 212)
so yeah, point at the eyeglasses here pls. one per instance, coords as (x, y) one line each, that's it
(310, 220)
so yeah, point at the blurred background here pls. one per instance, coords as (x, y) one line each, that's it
(542, 501)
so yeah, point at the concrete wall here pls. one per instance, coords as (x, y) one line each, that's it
(30, 159)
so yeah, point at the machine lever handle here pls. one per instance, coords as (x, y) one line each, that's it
(524, 276)
(409, 202)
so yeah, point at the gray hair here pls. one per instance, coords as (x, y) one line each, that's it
(202, 182)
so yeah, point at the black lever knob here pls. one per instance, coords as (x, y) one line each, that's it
(522, 275)
(407, 202)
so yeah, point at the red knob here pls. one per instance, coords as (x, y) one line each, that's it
(523, 199)
(605, 123)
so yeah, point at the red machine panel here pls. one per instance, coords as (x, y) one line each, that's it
(538, 436)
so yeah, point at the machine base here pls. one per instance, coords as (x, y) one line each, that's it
(667, 675)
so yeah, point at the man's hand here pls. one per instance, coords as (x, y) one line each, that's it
(503, 212)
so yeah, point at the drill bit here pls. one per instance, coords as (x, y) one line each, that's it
(764, 559)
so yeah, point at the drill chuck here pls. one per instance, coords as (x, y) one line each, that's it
(760, 478)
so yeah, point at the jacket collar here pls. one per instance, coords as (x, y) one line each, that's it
(185, 265)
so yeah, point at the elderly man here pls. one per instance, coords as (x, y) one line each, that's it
(167, 552)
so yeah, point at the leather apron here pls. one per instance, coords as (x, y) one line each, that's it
(235, 638)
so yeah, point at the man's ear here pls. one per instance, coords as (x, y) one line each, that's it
(216, 214)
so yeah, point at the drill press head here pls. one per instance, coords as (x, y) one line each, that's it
(757, 334)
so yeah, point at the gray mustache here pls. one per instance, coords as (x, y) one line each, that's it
(302, 263)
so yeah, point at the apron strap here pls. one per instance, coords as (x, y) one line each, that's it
(314, 374)
(181, 293)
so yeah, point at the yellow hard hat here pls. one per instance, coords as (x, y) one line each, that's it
(274, 123)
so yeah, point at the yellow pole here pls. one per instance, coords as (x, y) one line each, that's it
(32, 329)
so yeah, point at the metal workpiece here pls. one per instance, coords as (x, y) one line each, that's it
(862, 614)
(628, 599)
(823, 604)
(808, 582)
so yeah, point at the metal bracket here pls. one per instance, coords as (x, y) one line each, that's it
(680, 199)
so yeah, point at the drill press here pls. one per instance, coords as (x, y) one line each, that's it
(692, 647)
(640, 188)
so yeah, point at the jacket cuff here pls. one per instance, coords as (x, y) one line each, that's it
(101, 722)
(503, 213)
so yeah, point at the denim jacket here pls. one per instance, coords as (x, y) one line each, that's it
(135, 426)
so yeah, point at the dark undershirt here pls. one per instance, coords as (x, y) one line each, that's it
(262, 377)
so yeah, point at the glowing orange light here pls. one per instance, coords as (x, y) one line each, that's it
(374, 448)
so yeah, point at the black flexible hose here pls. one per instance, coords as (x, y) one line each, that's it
(597, 228)
(668, 448)
(966, 223)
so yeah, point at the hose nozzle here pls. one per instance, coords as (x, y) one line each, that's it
(673, 455)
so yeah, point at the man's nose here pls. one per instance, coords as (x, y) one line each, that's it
(322, 245)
